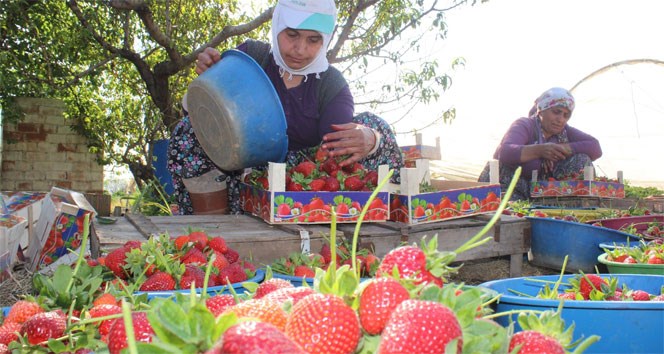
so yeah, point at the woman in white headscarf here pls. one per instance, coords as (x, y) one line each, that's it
(317, 101)
(544, 142)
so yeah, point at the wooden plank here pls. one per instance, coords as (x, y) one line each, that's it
(144, 226)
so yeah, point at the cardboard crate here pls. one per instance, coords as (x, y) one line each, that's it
(12, 228)
(451, 200)
(26, 205)
(588, 187)
(58, 230)
(278, 206)
(419, 151)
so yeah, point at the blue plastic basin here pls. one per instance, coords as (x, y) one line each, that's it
(625, 326)
(299, 281)
(213, 290)
(552, 240)
(236, 113)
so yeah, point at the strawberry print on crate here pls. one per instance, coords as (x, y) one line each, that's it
(59, 230)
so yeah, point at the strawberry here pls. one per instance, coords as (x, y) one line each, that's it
(43, 326)
(220, 262)
(132, 244)
(303, 271)
(377, 302)
(8, 332)
(195, 256)
(22, 310)
(231, 255)
(256, 337)
(330, 166)
(261, 309)
(371, 179)
(271, 285)
(117, 336)
(116, 260)
(192, 274)
(199, 238)
(640, 295)
(331, 184)
(534, 342)
(263, 182)
(293, 294)
(234, 273)
(586, 287)
(306, 168)
(219, 303)
(418, 326)
(104, 310)
(353, 183)
(318, 184)
(105, 298)
(158, 281)
(181, 241)
(352, 168)
(410, 260)
(341, 333)
(370, 264)
(294, 187)
(218, 244)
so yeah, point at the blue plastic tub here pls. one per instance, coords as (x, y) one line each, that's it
(298, 281)
(625, 326)
(213, 290)
(552, 240)
(236, 114)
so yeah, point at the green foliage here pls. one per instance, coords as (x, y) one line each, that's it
(122, 67)
(637, 192)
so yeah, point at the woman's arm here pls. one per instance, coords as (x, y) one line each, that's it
(582, 143)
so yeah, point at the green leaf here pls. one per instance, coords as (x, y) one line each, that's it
(62, 276)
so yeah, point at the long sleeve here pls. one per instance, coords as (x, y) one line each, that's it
(520, 134)
(582, 143)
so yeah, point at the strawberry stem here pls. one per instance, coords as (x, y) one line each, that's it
(129, 328)
(333, 241)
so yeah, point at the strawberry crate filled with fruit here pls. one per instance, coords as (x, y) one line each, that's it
(419, 151)
(582, 183)
(420, 200)
(308, 192)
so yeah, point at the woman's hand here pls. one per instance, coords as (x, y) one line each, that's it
(554, 152)
(349, 139)
(206, 59)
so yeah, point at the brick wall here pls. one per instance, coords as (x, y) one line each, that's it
(46, 152)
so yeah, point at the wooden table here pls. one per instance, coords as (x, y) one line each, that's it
(263, 243)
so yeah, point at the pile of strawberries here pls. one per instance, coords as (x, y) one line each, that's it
(163, 263)
(304, 265)
(645, 253)
(593, 287)
(321, 173)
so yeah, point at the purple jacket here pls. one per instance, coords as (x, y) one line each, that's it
(522, 132)
(305, 124)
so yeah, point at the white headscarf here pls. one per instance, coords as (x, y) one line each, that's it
(315, 15)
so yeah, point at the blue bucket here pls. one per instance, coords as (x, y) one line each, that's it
(300, 281)
(552, 240)
(236, 113)
(624, 326)
(213, 290)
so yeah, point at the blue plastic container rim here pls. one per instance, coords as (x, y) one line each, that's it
(260, 275)
(531, 218)
(509, 298)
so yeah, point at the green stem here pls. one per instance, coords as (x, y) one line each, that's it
(511, 312)
(333, 241)
(503, 203)
(81, 254)
(129, 328)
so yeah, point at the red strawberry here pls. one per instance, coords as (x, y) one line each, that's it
(42, 326)
(418, 326)
(341, 333)
(352, 168)
(8, 332)
(105, 310)
(306, 168)
(331, 184)
(232, 255)
(199, 238)
(132, 244)
(22, 310)
(303, 271)
(181, 241)
(158, 281)
(377, 302)
(533, 342)
(116, 260)
(410, 260)
(117, 337)
(327, 254)
(219, 303)
(220, 262)
(195, 256)
(585, 287)
(293, 294)
(271, 285)
(218, 244)
(353, 183)
(248, 266)
(192, 274)
(256, 337)
(370, 264)
(263, 182)
(371, 179)
(330, 166)
(234, 273)
(294, 187)
(640, 295)
(317, 185)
